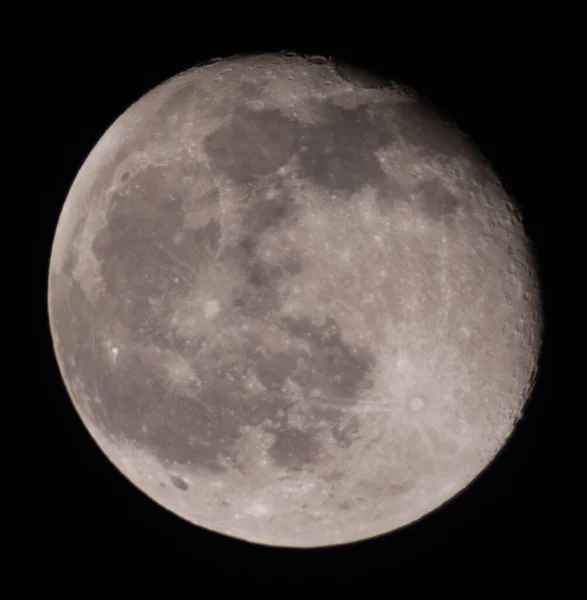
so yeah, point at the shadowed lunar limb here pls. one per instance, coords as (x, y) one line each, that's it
(293, 305)
(360, 76)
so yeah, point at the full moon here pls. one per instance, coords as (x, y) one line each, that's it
(293, 305)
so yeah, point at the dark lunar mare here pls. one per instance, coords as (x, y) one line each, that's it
(339, 153)
(251, 145)
(143, 268)
(200, 428)
(142, 264)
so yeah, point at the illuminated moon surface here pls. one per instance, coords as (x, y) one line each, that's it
(290, 305)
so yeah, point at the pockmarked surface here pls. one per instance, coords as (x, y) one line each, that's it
(291, 305)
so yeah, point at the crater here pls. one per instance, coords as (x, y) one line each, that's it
(212, 309)
(179, 483)
(318, 59)
(417, 403)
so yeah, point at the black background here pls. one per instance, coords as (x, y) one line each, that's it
(496, 81)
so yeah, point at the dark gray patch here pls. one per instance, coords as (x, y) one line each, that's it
(294, 449)
(178, 427)
(346, 505)
(71, 258)
(389, 193)
(247, 245)
(317, 59)
(178, 101)
(252, 91)
(73, 320)
(359, 75)
(334, 476)
(292, 263)
(340, 154)
(434, 201)
(256, 301)
(71, 255)
(129, 394)
(272, 371)
(263, 275)
(264, 215)
(399, 489)
(267, 214)
(105, 176)
(198, 427)
(341, 372)
(136, 266)
(336, 368)
(198, 246)
(345, 432)
(252, 145)
(155, 196)
(125, 176)
(224, 404)
(143, 262)
(179, 483)
(257, 297)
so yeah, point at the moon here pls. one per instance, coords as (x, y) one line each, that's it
(291, 304)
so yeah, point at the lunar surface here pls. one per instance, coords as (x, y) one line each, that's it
(292, 305)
